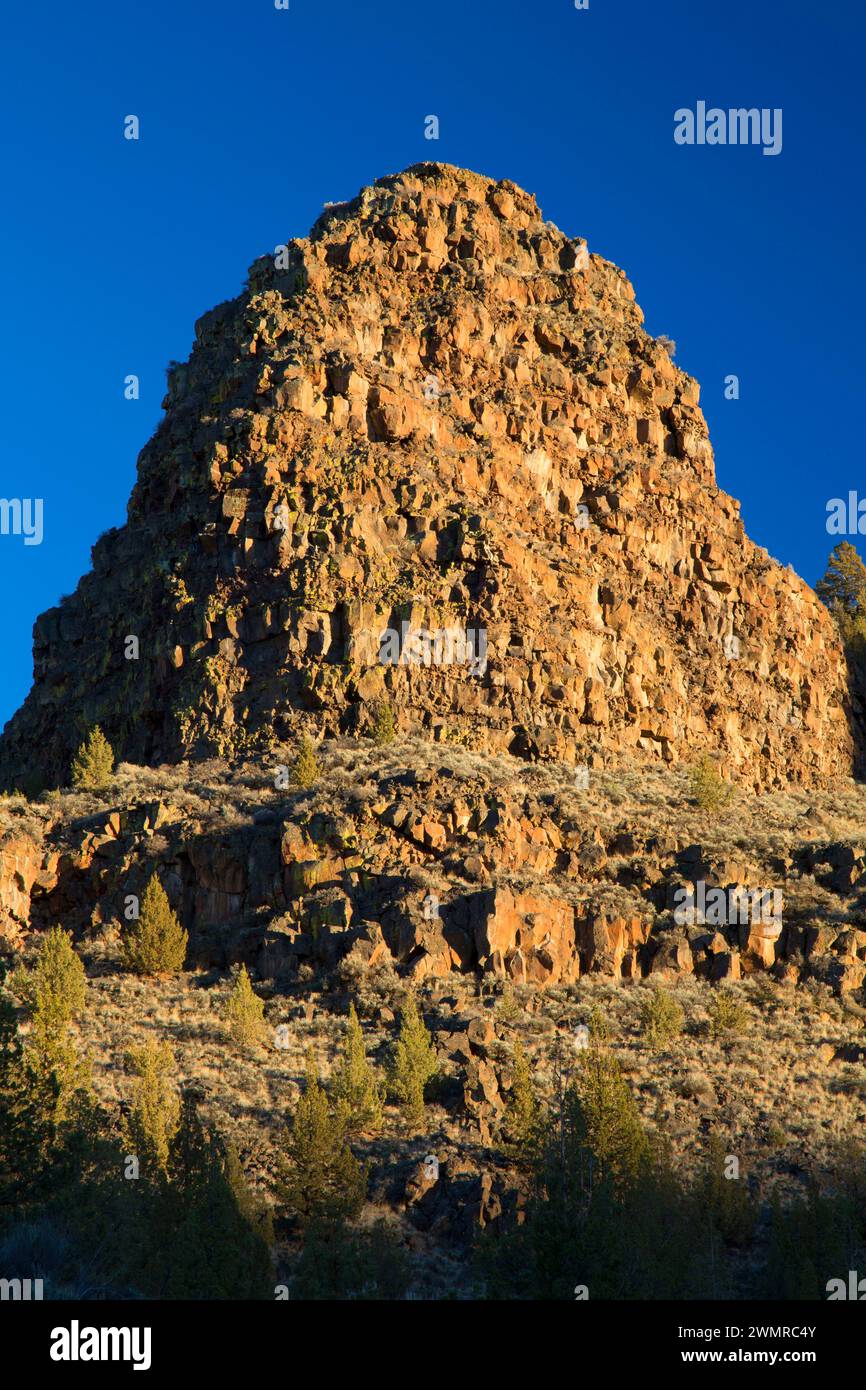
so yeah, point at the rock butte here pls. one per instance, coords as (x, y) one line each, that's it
(402, 425)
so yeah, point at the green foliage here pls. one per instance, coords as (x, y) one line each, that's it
(305, 769)
(355, 1089)
(189, 1227)
(209, 1219)
(598, 1026)
(156, 943)
(152, 1123)
(661, 1019)
(414, 1063)
(507, 1009)
(244, 1011)
(728, 1014)
(708, 788)
(54, 991)
(93, 764)
(23, 1133)
(339, 1263)
(255, 1212)
(600, 1115)
(384, 724)
(59, 979)
(523, 1123)
(609, 1209)
(843, 588)
(58, 1071)
(724, 1197)
(318, 1176)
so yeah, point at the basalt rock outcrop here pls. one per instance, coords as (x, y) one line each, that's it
(436, 414)
(439, 871)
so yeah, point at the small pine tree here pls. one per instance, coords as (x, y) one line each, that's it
(55, 990)
(318, 1176)
(343, 1264)
(708, 787)
(56, 1066)
(154, 1118)
(661, 1019)
(724, 1198)
(605, 1117)
(523, 1119)
(384, 724)
(843, 588)
(244, 1011)
(355, 1089)
(156, 943)
(727, 1013)
(216, 1250)
(414, 1062)
(93, 764)
(255, 1212)
(59, 979)
(598, 1028)
(23, 1120)
(305, 769)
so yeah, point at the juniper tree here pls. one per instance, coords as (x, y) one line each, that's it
(708, 787)
(55, 992)
(355, 1089)
(384, 724)
(843, 590)
(724, 1195)
(217, 1252)
(244, 1011)
(22, 1121)
(93, 764)
(318, 1176)
(59, 1072)
(602, 1116)
(414, 1062)
(340, 1263)
(254, 1211)
(154, 1117)
(661, 1019)
(523, 1125)
(59, 979)
(305, 769)
(156, 943)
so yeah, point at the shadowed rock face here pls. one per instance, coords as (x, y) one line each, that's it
(437, 413)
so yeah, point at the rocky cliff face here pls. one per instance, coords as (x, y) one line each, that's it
(436, 416)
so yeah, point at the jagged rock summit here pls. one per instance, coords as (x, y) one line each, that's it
(436, 416)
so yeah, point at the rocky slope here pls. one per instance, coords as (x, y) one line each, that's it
(437, 414)
(514, 905)
(448, 862)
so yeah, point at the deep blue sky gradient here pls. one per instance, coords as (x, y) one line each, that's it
(251, 118)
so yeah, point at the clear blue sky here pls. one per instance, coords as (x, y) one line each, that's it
(251, 118)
